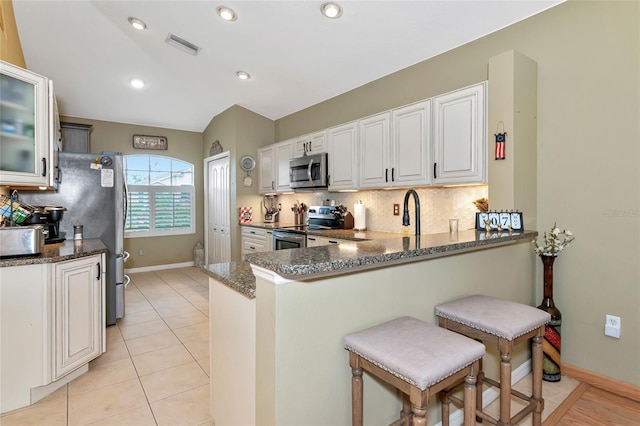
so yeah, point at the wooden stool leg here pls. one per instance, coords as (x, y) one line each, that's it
(469, 397)
(505, 382)
(479, 390)
(405, 414)
(419, 415)
(445, 404)
(536, 376)
(356, 389)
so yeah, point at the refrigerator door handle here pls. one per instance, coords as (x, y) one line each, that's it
(126, 256)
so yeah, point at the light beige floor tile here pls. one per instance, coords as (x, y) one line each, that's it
(161, 359)
(56, 397)
(132, 318)
(187, 408)
(202, 305)
(209, 422)
(206, 366)
(51, 412)
(150, 343)
(103, 375)
(193, 332)
(198, 348)
(172, 381)
(176, 311)
(143, 329)
(185, 320)
(113, 334)
(137, 417)
(115, 350)
(170, 302)
(139, 306)
(106, 402)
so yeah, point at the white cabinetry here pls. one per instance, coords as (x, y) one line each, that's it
(30, 130)
(78, 319)
(374, 151)
(459, 146)
(274, 167)
(315, 241)
(256, 239)
(342, 144)
(314, 143)
(410, 144)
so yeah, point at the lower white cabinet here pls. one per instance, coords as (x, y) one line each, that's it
(256, 239)
(315, 241)
(78, 316)
(52, 319)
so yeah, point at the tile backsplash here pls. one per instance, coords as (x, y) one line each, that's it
(437, 206)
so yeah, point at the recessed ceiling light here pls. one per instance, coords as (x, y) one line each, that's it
(136, 82)
(331, 10)
(136, 23)
(226, 13)
(243, 75)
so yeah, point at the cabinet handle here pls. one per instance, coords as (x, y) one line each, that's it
(59, 173)
(333, 242)
(273, 185)
(386, 175)
(99, 272)
(44, 166)
(434, 171)
(252, 247)
(393, 174)
(252, 232)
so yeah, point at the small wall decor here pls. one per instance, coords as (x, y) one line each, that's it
(501, 141)
(246, 215)
(150, 142)
(216, 148)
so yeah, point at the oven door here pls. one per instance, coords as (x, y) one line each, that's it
(283, 240)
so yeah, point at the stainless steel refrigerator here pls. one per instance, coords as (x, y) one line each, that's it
(92, 188)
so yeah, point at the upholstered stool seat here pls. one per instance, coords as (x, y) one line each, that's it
(417, 358)
(503, 323)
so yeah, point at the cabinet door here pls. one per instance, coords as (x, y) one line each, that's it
(374, 151)
(314, 143)
(26, 141)
(218, 210)
(459, 136)
(343, 156)
(283, 153)
(266, 162)
(410, 144)
(78, 321)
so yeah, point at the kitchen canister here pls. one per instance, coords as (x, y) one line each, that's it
(359, 217)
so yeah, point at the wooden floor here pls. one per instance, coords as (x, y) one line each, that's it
(590, 406)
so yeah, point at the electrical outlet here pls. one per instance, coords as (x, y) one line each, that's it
(612, 326)
(140, 252)
(396, 209)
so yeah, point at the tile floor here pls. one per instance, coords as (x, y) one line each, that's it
(156, 369)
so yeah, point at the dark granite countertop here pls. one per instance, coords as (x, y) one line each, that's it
(343, 234)
(236, 275)
(301, 264)
(52, 253)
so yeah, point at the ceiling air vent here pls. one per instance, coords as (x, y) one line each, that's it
(182, 44)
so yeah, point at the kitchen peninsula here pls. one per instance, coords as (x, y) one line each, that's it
(283, 362)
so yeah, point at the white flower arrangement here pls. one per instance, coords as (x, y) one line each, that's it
(554, 242)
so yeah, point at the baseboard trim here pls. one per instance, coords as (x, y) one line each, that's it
(608, 384)
(158, 267)
(491, 394)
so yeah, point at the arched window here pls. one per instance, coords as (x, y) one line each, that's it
(161, 196)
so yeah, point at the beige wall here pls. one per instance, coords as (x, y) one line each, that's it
(187, 146)
(240, 132)
(10, 47)
(588, 56)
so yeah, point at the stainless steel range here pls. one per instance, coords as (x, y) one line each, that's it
(320, 217)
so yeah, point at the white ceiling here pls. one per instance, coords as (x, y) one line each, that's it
(296, 56)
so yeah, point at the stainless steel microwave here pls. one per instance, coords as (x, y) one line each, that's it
(309, 171)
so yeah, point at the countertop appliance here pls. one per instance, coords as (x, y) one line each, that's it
(320, 217)
(308, 172)
(92, 188)
(21, 240)
(271, 208)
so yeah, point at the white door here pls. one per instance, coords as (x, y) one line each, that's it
(217, 213)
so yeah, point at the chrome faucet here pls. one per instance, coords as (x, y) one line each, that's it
(405, 215)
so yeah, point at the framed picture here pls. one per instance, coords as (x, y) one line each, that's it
(150, 142)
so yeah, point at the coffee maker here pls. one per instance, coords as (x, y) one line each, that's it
(50, 217)
(271, 208)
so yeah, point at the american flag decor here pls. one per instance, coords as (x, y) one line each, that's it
(501, 139)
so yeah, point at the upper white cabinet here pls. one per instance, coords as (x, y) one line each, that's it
(342, 146)
(459, 129)
(79, 319)
(314, 143)
(394, 147)
(30, 135)
(274, 167)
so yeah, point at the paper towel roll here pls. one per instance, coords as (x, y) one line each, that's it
(359, 217)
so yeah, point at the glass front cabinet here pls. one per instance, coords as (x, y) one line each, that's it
(30, 136)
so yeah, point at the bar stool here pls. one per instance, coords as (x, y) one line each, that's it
(504, 324)
(420, 360)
